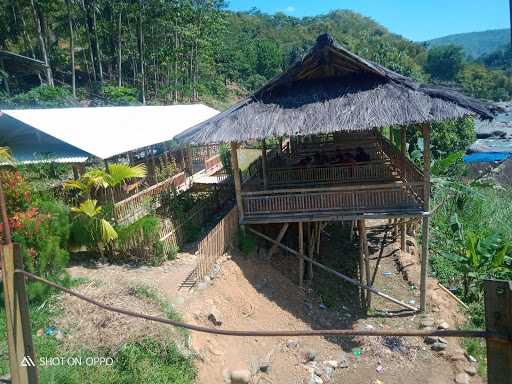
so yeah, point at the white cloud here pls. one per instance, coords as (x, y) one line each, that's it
(290, 8)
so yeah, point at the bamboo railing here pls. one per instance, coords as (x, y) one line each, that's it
(346, 173)
(349, 199)
(138, 205)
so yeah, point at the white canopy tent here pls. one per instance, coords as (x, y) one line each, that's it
(75, 134)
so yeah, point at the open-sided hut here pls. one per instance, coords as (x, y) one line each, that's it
(337, 164)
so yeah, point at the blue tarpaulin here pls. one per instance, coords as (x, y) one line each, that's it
(487, 157)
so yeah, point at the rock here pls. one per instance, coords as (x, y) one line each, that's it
(265, 365)
(471, 370)
(462, 378)
(292, 343)
(458, 357)
(342, 360)
(202, 285)
(309, 355)
(331, 363)
(437, 346)
(240, 376)
(214, 316)
(443, 325)
(442, 340)
(426, 323)
(431, 339)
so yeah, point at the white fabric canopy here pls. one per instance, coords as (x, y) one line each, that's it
(108, 131)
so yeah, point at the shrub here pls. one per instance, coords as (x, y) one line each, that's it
(120, 95)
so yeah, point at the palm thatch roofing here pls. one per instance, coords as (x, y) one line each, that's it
(332, 89)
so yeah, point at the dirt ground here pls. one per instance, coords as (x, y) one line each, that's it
(253, 293)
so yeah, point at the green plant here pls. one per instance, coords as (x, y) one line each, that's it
(90, 228)
(120, 95)
(246, 242)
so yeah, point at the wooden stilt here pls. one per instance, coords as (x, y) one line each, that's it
(301, 251)
(336, 273)
(76, 175)
(426, 218)
(366, 253)
(361, 262)
(238, 182)
(311, 248)
(403, 234)
(264, 163)
(280, 236)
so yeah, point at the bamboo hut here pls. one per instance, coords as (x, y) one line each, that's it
(335, 164)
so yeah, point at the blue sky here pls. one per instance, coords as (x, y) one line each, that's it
(415, 19)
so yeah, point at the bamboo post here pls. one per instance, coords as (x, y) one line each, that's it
(498, 318)
(19, 334)
(280, 236)
(366, 255)
(236, 176)
(403, 225)
(301, 251)
(425, 221)
(264, 163)
(361, 262)
(311, 248)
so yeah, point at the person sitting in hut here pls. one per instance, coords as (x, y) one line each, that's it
(361, 155)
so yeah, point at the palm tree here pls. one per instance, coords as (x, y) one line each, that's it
(90, 228)
(117, 175)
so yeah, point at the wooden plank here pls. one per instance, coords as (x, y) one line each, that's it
(498, 318)
(336, 273)
(19, 334)
(366, 256)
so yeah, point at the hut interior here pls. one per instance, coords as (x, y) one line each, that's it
(331, 161)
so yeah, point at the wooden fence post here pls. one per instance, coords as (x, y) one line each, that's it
(498, 318)
(19, 334)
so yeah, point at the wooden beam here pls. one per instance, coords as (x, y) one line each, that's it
(264, 163)
(336, 273)
(280, 236)
(403, 225)
(236, 177)
(301, 251)
(311, 249)
(425, 223)
(19, 333)
(498, 318)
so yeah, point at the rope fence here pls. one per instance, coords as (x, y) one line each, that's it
(254, 333)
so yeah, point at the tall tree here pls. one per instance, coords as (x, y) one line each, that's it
(41, 40)
(71, 46)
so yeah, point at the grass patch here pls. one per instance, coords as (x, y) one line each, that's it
(143, 361)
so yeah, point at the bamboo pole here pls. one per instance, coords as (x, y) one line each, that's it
(19, 334)
(336, 273)
(264, 163)
(301, 251)
(236, 177)
(425, 221)
(366, 256)
(280, 236)
(311, 248)
(403, 225)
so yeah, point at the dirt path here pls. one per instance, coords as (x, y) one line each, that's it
(249, 293)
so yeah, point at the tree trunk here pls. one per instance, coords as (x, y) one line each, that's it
(42, 44)
(71, 48)
(96, 41)
(119, 56)
(141, 54)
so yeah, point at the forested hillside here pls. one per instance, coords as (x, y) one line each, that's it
(152, 51)
(476, 44)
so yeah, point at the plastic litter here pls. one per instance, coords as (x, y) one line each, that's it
(388, 274)
(51, 331)
(356, 352)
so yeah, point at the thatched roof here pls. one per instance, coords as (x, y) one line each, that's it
(330, 90)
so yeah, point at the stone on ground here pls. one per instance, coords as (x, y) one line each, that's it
(438, 346)
(240, 376)
(214, 316)
(462, 378)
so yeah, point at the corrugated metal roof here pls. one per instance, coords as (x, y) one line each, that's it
(103, 132)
